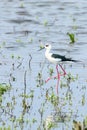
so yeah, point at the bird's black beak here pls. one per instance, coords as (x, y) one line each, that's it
(41, 48)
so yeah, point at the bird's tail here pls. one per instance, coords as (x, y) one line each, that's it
(69, 59)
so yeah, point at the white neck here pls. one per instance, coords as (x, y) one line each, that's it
(47, 51)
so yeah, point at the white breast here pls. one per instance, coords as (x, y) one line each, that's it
(51, 59)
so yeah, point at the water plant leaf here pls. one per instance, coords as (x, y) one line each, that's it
(85, 121)
(72, 37)
(4, 88)
(45, 23)
(51, 71)
(83, 100)
(41, 47)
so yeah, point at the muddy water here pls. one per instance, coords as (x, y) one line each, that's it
(22, 25)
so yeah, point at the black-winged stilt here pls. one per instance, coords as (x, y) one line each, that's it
(57, 59)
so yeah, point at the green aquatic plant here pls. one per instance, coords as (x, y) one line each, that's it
(4, 43)
(39, 80)
(41, 46)
(83, 100)
(66, 80)
(18, 57)
(18, 41)
(45, 23)
(85, 121)
(34, 120)
(77, 125)
(70, 77)
(12, 56)
(30, 95)
(20, 119)
(50, 125)
(72, 37)
(51, 71)
(74, 27)
(22, 5)
(5, 128)
(4, 88)
(53, 99)
(31, 40)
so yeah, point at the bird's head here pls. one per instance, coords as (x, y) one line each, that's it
(48, 46)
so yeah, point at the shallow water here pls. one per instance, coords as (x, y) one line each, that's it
(22, 25)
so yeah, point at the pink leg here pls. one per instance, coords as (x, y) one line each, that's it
(58, 76)
(48, 79)
(55, 77)
(64, 72)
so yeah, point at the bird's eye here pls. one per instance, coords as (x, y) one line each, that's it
(47, 45)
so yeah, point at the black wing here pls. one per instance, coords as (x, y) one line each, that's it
(63, 58)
